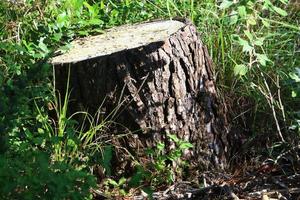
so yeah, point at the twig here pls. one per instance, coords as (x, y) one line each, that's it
(279, 99)
(18, 33)
(272, 107)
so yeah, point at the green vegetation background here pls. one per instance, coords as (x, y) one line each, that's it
(255, 46)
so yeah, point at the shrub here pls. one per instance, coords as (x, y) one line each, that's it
(31, 175)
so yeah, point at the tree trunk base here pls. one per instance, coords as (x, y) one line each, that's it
(157, 81)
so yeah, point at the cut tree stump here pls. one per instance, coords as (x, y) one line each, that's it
(159, 79)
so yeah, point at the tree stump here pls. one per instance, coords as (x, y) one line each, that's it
(159, 77)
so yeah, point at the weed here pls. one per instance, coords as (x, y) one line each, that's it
(165, 166)
(255, 45)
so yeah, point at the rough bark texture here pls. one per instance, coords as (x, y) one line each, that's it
(165, 87)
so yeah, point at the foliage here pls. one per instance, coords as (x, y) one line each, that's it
(255, 45)
(258, 65)
(165, 166)
(31, 175)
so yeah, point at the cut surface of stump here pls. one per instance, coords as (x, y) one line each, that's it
(118, 39)
(158, 78)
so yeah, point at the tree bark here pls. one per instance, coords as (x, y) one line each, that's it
(163, 86)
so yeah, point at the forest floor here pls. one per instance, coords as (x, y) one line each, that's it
(272, 179)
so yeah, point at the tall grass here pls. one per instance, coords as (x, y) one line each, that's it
(254, 45)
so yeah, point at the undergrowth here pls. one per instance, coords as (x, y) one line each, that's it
(255, 46)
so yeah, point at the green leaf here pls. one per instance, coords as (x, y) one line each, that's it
(102, 5)
(242, 11)
(225, 4)
(149, 192)
(249, 35)
(43, 46)
(295, 77)
(268, 2)
(185, 145)
(160, 146)
(112, 182)
(251, 20)
(244, 44)
(89, 7)
(38, 140)
(259, 41)
(233, 18)
(41, 131)
(284, 1)
(29, 135)
(83, 33)
(95, 21)
(262, 59)
(62, 20)
(65, 48)
(265, 23)
(280, 11)
(57, 36)
(71, 143)
(294, 94)
(240, 70)
(122, 181)
(173, 137)
(136, 179)
(149, 151)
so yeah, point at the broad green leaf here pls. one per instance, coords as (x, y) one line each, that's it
(251, 20)
(262, 59)
(280, 11)
(240, 70)
(95, 21)
(57, 36)
(245, 45)
(259, 41)
(41, 131)
(65, 48)
(83, 33)
(122, 181)
(225, 4)
(62, 20)
(294, 94)
(242, 11)
(233, 18)
(71, 143)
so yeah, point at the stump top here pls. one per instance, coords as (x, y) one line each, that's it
(118, 39)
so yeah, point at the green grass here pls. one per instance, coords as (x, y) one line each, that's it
(254, 59)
